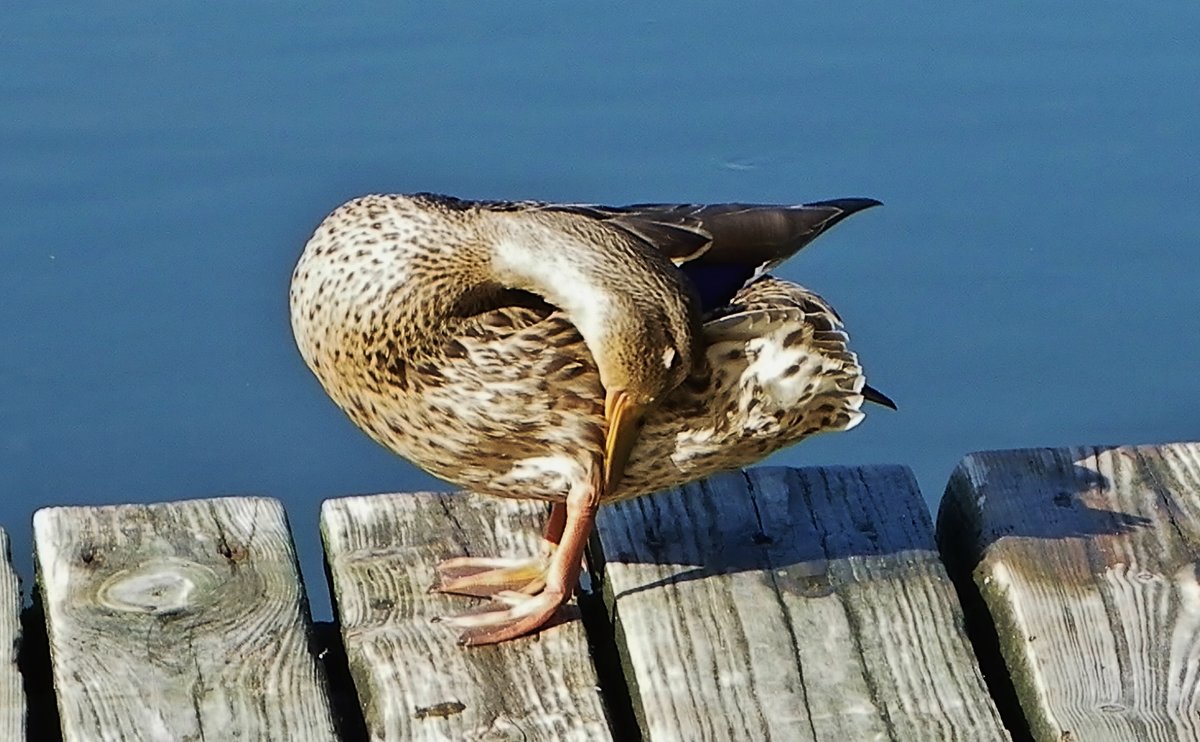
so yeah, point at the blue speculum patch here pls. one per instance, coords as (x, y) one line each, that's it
(717, 282)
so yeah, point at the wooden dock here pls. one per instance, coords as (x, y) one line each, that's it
(1057, 599)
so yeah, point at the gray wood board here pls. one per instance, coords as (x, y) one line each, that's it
(12, 693)
(413, 680)
(1087, 561)
(798, 604)
(178, 621)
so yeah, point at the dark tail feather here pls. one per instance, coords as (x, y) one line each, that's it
(871, 394)
(746, 240)
(754, 235)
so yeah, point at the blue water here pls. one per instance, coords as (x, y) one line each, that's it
(1033, 279)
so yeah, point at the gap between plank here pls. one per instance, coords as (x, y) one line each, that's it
(602, 645)
(980, 627)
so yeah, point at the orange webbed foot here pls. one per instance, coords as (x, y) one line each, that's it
(484, 577)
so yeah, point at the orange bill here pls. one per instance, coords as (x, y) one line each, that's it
(624, 423)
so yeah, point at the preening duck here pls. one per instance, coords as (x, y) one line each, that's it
(577, 354)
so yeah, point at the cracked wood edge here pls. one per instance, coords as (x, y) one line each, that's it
(182, 620)
(413, 681)
(12, 693)
(1087, 561)
(799, 604)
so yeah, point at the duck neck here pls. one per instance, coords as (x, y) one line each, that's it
(623, 295)
(562, 271)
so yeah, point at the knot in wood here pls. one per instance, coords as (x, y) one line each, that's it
(162, 587)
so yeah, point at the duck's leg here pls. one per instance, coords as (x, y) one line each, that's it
(555, 524)
(513, 613)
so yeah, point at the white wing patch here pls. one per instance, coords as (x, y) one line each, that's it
(695, 443)
(782, 376)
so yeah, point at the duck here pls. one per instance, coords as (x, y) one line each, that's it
(576, 354)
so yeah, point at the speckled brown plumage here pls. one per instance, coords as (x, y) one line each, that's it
(475, 339)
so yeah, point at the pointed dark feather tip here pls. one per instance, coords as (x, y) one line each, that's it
(871, 394)
(848, 206)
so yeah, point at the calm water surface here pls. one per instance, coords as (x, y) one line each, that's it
(1032, 280)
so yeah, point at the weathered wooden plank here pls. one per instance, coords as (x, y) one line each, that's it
(1087, 560)
(178, 621)
(12, 694)
(797, 604)
(413, 681)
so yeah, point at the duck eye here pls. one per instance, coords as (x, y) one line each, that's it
(669, 358)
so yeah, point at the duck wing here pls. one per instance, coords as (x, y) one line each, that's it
(722, 247)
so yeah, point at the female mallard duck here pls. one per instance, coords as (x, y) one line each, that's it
(576, 354)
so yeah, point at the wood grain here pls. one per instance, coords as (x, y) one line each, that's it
(12, 694)
(1087, 560)
(791, 604)
(413, 681)
(178, 621)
